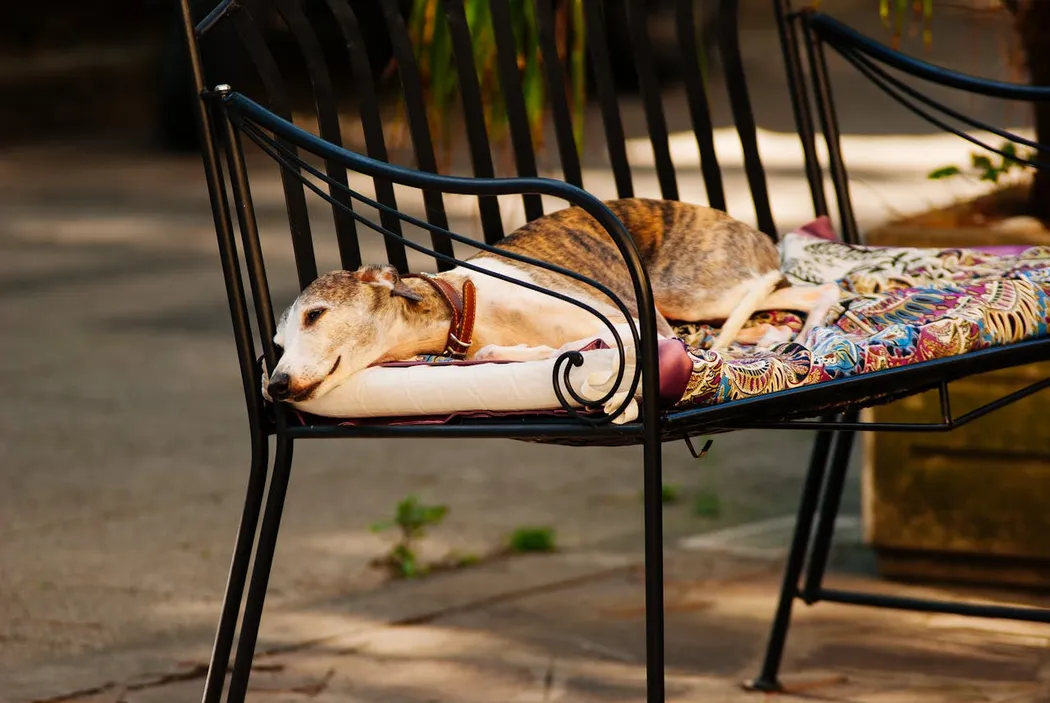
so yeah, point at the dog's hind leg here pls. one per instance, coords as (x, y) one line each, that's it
(752, 293)
(816, 301)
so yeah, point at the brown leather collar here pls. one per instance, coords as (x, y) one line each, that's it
(463, 309)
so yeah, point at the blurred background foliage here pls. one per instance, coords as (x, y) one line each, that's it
(436, 59)
(430, 34)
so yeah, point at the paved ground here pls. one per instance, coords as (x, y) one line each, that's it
(123, 453)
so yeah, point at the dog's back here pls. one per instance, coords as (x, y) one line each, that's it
(693, 254)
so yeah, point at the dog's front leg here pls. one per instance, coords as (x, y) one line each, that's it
(599, 381)
(524, 352)
(520, 352)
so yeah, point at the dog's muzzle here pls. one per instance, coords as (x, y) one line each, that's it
(277, 388)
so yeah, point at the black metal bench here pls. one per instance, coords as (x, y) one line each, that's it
(317, 166)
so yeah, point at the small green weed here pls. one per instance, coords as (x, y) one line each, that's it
(532, 539)
(984, 168)
(412, 518)
(462, 560)
(707, 504)
(669, 493)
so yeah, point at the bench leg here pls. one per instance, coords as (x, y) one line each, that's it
(767, 679)
(253, 606)
(654, 570)
(242, 554)
(829, 510)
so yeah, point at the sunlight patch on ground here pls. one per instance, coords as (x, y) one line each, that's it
(888, 153)
(763, 539)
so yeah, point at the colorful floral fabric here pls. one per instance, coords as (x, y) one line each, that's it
(900, 306)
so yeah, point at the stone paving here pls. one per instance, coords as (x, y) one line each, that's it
(575, 635)
(124, 446)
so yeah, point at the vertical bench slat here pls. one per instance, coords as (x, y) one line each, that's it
(557, 98)
(649, 84)
(294, 194)
(740, 104)
(514, 102)
(473, 115)
(699, 108)
(829, 124)
(327, 110)
(253, 254)
(418, 124)
(368, 104)
(798, 92)
(608, 100)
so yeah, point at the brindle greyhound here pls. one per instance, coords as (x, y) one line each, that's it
(702, 264)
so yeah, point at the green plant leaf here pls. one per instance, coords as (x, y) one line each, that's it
(464, 560)
(405, 563)
(405, 510)
(417, 24)
(532, 539)
(428, 29)
(412, 518)
(532, 81)
(579, 73)
(707, 504)
(1010, 158)
(981, 162)
(943, 172)
(432, 514)
(669, 493)
(992, 174)
(927, 20)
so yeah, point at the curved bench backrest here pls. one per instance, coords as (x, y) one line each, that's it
(349, 72)
(331, 64)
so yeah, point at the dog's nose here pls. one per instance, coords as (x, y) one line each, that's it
(278, 386)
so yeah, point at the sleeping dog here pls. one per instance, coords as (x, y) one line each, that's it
(702, 264)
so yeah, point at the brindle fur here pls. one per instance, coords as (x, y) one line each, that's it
(693, 254)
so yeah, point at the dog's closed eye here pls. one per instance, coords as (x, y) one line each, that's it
(312, 316)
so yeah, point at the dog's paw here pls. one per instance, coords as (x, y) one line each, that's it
(828, 297)
(764, 335)
(774, 335)
(490, 352)
(520, 352)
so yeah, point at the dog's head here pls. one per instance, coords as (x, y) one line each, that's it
(337, 326)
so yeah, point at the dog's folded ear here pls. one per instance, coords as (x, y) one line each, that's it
(388, 277)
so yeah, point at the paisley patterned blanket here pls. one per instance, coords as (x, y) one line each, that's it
(901, 306)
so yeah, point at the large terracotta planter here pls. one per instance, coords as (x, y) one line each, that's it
(972, 505)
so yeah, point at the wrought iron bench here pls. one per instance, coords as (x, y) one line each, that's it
(318, 166)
